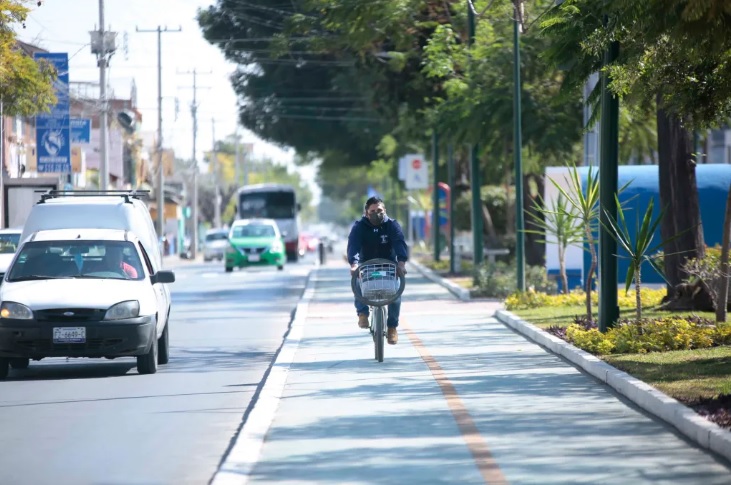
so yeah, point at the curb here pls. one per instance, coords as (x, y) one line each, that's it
(461, 293)
(243, 455)
(695, 427)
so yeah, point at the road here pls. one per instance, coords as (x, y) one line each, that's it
(86, 421)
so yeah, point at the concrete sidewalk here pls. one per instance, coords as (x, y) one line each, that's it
(460, 399)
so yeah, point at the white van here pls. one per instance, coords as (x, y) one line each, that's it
(95, 210)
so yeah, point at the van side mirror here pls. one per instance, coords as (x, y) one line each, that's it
(299, 207)
(163, 276)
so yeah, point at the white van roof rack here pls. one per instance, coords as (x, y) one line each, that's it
(126, 194)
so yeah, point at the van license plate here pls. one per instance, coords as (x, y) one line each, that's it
(69, 335)
(254, 258)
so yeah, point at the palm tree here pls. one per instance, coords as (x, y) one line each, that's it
(558, 226)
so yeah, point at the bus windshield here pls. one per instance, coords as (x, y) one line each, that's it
(269, 205)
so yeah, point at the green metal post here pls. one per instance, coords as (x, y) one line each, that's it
(450, 181)
(478, 255)
(517, 148)
(435, 193)
(477, 244)
(608, 186)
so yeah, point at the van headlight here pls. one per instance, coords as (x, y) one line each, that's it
(276, 247)
(122, 310)
(17, 311)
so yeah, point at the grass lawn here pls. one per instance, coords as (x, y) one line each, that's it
(687, 375)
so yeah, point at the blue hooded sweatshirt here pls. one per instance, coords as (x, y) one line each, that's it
(367, 241)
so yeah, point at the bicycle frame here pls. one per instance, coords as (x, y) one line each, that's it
(381, 294)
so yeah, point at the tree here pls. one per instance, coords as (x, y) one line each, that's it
(558, 222)
(26, 86)
(674, 55)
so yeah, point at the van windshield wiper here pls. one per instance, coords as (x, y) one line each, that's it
(38, 277)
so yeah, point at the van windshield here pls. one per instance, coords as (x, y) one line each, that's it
(41, 260)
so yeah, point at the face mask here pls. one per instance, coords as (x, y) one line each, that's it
(376, 219)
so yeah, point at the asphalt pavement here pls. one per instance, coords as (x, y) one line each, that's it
(94, 421)
(460, 399)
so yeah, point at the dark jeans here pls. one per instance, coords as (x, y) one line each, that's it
(394, 309)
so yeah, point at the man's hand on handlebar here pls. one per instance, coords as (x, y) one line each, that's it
(401, 268)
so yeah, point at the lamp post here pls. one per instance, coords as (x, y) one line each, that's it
(518, 144)
(477, 253)
(435, 194)
(608, 185)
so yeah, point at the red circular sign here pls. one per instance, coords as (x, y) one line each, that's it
(416, 163)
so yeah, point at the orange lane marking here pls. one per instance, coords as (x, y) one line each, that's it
(477, 445)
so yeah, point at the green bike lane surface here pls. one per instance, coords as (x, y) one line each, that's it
(460, 399)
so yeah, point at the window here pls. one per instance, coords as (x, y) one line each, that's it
(253, 230)
(270, 205)
(148, 263)
(217, 236)
(40, 260)
(9, 243)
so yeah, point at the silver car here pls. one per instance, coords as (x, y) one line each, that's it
(214, 247)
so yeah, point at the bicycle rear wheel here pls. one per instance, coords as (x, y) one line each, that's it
(379, 332)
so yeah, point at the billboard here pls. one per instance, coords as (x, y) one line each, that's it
(53, 133)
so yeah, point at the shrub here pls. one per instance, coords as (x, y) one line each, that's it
(521, 301)
(591, 340)
(664, 334)
(500, 279)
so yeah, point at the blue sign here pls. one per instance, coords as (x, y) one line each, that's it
(80, 130)
(53, 133)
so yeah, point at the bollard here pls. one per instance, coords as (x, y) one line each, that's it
(458, 259)
(321, 251)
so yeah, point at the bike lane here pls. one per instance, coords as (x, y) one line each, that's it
(460, 399)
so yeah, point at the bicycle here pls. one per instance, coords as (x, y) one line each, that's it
(376, 283)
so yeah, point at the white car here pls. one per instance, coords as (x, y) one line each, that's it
(83, 293)
(9, 242)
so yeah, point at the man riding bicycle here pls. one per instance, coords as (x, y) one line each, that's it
(377, 236)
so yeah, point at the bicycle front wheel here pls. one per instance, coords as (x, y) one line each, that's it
(379, 323)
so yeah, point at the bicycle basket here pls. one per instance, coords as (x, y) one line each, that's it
(379, 283)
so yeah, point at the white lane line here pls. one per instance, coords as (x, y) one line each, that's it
(245, 452)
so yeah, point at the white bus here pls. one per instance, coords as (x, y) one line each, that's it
(273, 201)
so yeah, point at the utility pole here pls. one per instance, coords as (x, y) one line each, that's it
(160, 189)
(103, 43)
(216, 188)
(237, 159)
(194, 163)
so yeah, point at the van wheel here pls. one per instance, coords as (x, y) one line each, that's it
(229, 269)
(147, 364)
(280, 267)
(19, 363)
(163, 346)
(4, 367)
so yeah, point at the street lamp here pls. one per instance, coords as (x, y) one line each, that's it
(518, 144)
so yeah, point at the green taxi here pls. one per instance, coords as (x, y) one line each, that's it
(255, 242)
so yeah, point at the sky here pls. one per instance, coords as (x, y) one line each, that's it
(64, 25)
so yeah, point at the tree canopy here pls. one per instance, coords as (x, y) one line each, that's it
(26, 86)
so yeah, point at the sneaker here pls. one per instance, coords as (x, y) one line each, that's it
(363, 320)
(392, 335)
